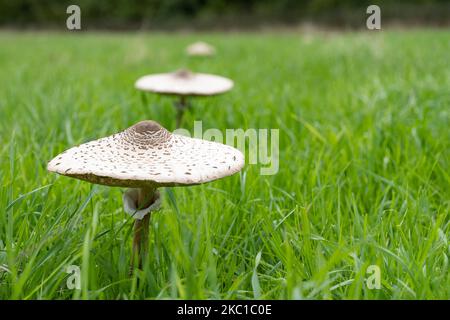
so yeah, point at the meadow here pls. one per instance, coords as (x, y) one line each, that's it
(363, 174)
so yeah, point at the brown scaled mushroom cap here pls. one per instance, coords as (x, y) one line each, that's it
(184, 83)
(147, 155)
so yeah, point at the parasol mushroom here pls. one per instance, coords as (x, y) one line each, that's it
(145, 157)
(184, 83)
(200, 49)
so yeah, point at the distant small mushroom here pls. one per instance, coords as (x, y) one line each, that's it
(184, 83)
(145, 157)
(200, 48)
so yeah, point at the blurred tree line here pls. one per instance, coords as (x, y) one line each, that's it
(163, 14)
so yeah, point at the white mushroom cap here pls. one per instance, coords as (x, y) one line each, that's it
(184, 83)
(200, 48)
(147, 155)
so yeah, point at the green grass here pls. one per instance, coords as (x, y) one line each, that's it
(363, 180)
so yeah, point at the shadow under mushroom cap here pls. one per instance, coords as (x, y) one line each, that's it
(146, 154)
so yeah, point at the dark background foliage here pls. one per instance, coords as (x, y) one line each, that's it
(163, 14)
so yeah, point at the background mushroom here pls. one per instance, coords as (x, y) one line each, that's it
(145, 157)
(200, 49)
(184, 83)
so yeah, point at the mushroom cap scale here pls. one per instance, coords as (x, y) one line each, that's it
(184, 83)
(147, 155)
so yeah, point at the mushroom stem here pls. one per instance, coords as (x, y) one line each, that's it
(141, 227)
(181, 105)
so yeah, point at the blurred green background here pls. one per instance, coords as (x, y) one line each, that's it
(203, 14)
